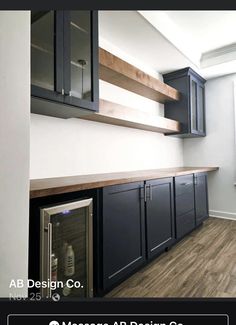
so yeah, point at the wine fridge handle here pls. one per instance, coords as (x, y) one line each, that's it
(49, 262)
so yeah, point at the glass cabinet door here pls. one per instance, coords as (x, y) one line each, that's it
(201, 109)
(46, 54)
(42, 49)
(81, 58)
(193, 98)
(80, 65)
(66, 249)
(69, 252)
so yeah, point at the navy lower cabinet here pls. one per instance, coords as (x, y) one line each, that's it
(123, 227)
(159, 215)
(184, 205)
(138, 221)
(201, 197)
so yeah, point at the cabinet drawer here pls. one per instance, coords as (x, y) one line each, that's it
(183, 184)
(184, 203)
(185, 224)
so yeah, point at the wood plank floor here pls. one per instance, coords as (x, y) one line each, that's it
(201, 265)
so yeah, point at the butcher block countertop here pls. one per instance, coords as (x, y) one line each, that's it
(58, 185)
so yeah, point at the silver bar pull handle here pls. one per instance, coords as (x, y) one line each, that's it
(146, 197)
(49, 256)
(150, 193)
(145, 193)
(61, 91)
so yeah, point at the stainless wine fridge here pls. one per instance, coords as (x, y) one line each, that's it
(66, 250)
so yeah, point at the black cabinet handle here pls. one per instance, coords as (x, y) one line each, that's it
(185, 184)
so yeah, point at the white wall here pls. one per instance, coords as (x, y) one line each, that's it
(73, 147)
(14, 147)
(218, 147)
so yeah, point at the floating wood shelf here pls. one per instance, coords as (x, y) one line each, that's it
(116, 114)
(120, 73)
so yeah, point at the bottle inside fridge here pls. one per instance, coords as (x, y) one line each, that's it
(54, 268)
(69, 261)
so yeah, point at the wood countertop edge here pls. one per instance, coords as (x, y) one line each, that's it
(47, 189)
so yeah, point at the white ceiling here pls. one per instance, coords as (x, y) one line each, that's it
(208, 29)
(171, 40)
(134, 35)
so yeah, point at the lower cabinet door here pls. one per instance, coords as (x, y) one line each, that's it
(123, 231)
(159, 215)
(201, 197)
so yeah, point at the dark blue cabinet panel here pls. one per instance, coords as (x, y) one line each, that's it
(184, 205)
(159, 215)
(183, 184)
(123, 231)
(190, 109)
(201, 197)
(184, 194)
(185, 223)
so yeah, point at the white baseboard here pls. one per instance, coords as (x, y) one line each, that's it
(222, 214)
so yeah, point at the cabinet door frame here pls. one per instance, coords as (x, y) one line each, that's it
(72, 100)
(57, 93)
(154, 251)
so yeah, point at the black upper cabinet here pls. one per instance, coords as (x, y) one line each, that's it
(190, 109)
(64, 59)
(201, 197)
(123, 231)
(159, 215)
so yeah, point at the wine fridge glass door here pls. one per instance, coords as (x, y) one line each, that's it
(66, 250)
